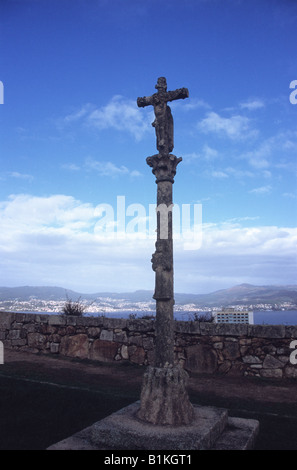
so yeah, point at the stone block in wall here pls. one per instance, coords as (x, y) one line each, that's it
(88, 321)
(271, 362)
(69, 330)
(120, 336)
(75, 346)
(141, 325)
(290, 331)
(14, 334)
(29, 327)
(136, 339)
(57, 320)
(54, 348)
(22, 317)
(136, 354)
(266, 331)
(231, 350)
(124, 351)
(104, 351)
(223, 329)
(148, 343)
(54, 338)
(16, 325)
(111, 323)
(187, 327)
(18, 342)
(71, 320)
(290, 372)
(94, 331)
(37, 340)
(106, 335)
(201, 358)
(6, 320)
(251, 359)
(271, 373)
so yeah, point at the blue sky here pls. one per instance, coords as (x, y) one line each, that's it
(72, 137)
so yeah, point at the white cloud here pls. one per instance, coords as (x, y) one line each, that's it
(207, 153)
(109, 169)
(219, 174)
(275, 151)
(238, 173)
(119, 113)
(79, 114)
(252, 104)
(51, 240)
(25, 213)
(235, 127)
(71, 167)
(232, 255)
(231, 172)
(16, 175)
(290, 195)
(194, 103)
(261, 190)
(259, 158)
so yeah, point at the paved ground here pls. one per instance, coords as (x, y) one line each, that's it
(273, 403)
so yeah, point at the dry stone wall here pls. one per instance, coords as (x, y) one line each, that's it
(250, 350)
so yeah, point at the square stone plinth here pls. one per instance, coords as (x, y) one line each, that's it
(122, 430)
(212, 429)
(125, 431)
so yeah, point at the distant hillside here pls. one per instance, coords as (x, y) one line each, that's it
(25, 293)
(241, 294)
(244, 294)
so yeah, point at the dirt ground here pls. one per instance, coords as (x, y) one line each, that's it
(51, 368)
(272, 402)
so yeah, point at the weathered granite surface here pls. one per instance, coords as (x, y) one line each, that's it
(212, 429)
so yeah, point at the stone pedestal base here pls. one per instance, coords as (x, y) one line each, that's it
(164, 399)
(211, 429)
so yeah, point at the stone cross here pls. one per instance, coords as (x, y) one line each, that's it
(164, 399)
(163, 122)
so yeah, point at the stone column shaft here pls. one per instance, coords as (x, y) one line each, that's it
(164, 292)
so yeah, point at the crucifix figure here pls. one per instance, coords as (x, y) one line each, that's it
(163, 122)
(164, 399)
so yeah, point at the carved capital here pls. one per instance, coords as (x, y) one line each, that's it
(164, 166)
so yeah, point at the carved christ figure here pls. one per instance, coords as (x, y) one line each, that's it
(163, 122)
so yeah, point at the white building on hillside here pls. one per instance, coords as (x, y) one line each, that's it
(231, 315)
